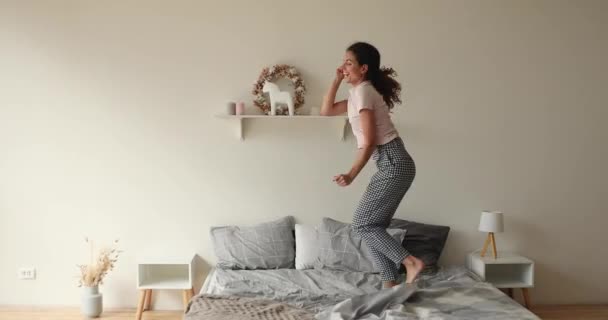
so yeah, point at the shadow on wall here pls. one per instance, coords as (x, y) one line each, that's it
(201, 270)
(454, 246)
(528, 239)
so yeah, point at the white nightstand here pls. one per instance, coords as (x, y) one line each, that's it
(163, 273)
(508, 271)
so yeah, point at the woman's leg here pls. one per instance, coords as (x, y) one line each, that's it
(371, 219)
(396, 171)
(389, 273)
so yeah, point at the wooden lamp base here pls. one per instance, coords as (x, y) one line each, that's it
(489, 239)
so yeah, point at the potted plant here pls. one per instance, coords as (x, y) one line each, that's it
(92, 275)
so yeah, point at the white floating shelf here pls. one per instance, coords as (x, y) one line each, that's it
(340, 121)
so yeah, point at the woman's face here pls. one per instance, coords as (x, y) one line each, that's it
(353, 72)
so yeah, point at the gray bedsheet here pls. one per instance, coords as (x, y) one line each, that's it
(310, 289)
(452, 293)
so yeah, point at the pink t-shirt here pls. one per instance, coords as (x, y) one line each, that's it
(365, 96)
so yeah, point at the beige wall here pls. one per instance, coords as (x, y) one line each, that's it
(107, 130)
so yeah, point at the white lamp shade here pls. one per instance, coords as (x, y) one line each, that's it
(491, 221)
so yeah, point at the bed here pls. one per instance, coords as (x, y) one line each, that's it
(279, 270)
(450, 293)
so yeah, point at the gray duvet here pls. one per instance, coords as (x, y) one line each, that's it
(453, 293)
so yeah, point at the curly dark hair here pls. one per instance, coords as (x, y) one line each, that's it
(382, 78)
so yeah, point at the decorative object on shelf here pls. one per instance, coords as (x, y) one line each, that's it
(277, 96)
(92, 276)
(269, 74)
(230, 108)
(491, 222)
(240, 108)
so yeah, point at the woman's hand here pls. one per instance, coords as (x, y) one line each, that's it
(339, 74)
(330, 107)
(343, 180)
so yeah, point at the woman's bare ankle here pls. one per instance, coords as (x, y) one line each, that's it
(413, 267)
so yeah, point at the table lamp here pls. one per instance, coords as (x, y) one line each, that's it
(490, 222)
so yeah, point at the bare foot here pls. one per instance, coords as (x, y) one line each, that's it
(413, 266)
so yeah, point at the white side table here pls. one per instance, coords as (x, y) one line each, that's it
(163, 274)
(508, 271)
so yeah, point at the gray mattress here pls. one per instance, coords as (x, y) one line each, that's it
(452, 293)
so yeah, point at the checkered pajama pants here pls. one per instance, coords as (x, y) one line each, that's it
(396, 171)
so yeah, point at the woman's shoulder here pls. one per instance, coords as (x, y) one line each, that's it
(366, 90)
(364, 87)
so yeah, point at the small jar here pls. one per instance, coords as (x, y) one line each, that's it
(231, 108)
(240, 108)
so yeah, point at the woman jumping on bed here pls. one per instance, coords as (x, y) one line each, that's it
(373, 94)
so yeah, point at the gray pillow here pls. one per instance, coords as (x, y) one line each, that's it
(340, 248)
(267, 245)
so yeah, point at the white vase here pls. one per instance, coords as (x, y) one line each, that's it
(92, 302)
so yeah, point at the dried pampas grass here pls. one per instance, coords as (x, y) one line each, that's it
(93, 274)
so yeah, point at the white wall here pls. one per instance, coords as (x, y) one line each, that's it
(107, 130)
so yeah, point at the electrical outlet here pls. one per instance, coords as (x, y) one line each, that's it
(27, 273)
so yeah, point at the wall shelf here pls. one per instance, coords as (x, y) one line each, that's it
(240, 121)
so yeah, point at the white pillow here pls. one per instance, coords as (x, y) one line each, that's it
(307, 246)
